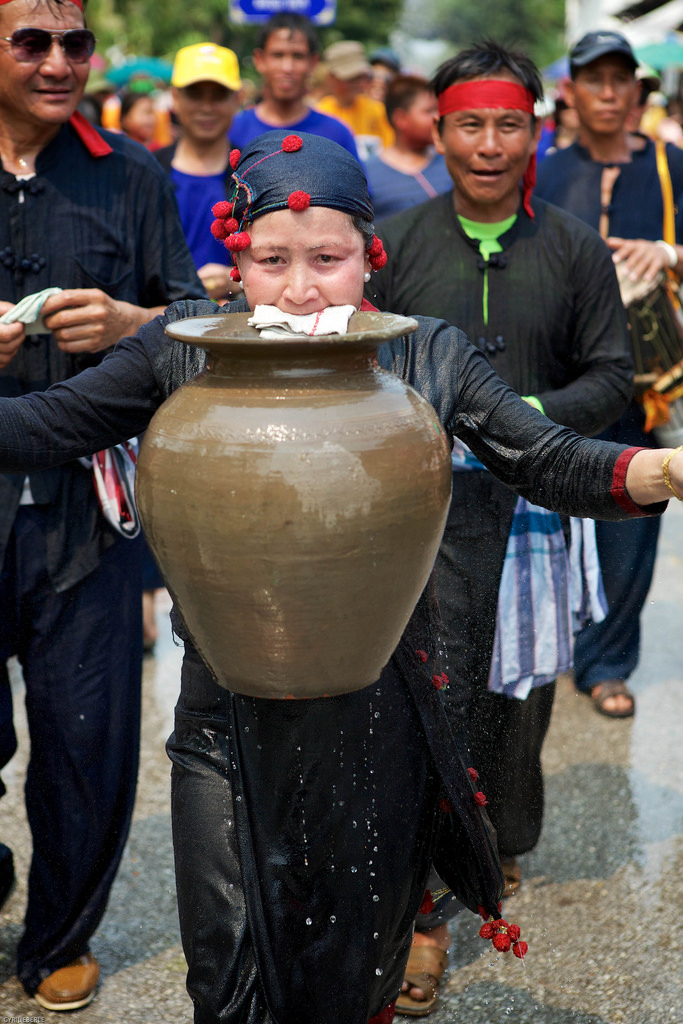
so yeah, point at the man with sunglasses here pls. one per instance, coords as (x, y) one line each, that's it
(91, 214)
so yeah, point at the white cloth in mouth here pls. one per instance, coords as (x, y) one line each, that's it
(27, 312)
(274, 324)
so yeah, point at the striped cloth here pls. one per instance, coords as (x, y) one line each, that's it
(546, 594)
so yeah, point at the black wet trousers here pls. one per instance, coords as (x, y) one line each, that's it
(303, 834)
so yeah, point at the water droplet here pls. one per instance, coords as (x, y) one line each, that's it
(246, 728)
(378, 971)
(376, 935)
(375, 899)
(238, 798)
(309, 921)
(354, 824)
(332, 919)
(353, 869)
(376, 714)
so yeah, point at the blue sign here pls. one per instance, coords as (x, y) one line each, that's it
(245, 12)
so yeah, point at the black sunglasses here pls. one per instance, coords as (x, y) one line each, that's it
(30, 45)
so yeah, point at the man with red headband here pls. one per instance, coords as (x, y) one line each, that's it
(91, 241)
(537, 293)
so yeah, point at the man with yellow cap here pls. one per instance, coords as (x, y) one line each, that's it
(90, 235)
(206, 93)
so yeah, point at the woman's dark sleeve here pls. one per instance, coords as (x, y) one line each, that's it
(547, 464)
(103, 405)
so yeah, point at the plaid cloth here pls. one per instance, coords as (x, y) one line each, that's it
(546, 594)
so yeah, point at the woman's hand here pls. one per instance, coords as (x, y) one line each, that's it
(676, 473)
(645, 480)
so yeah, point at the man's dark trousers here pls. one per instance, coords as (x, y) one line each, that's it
(81, 660)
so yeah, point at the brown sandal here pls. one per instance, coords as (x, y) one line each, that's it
(607, 688)
(424, 970)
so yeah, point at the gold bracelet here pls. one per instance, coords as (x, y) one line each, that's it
(665, 471)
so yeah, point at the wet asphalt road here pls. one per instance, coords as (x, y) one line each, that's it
(601, 904)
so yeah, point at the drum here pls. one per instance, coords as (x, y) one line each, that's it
(656, 326)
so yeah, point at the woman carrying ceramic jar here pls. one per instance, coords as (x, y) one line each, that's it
(304, 830)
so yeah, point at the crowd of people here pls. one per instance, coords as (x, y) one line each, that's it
(383, 191)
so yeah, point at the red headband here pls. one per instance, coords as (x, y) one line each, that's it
(493, 94)
(78, 3)
(487, 93)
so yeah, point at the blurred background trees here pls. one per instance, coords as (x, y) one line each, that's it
(154, 28)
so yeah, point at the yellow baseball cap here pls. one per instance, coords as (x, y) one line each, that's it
(206, 62)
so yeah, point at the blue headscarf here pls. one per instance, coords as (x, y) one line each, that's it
(278, 164)
(279, 171)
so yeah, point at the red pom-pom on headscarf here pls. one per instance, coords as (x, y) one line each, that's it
(473, 774)
(222, 209)
(375, 247)
(480, 799)
(520, 949)
(235, 274)
(231, 225)
(298, 200)
(219, 230)
(238, 242)
(376, 253)
(377, 262)
(291, 143)
(235, 155)
(501, 942)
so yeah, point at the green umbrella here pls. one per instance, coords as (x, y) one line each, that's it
(144, 67)
(667, 54)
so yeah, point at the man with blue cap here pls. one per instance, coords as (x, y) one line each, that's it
(610, 179)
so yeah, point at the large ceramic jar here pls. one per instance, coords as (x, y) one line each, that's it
(294, 495)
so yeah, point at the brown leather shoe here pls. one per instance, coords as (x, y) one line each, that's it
(70, 987)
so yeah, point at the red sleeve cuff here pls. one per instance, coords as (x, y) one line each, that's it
(619, 492)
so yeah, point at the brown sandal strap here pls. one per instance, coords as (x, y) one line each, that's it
(426, 961)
